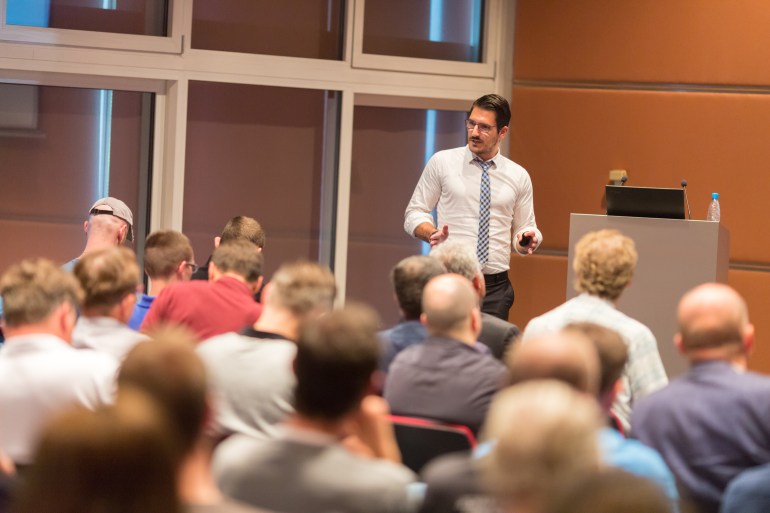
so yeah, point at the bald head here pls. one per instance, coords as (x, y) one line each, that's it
(713, 316)
(567, 356)
(450, 307)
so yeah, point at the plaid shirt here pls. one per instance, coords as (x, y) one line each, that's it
(644, 371)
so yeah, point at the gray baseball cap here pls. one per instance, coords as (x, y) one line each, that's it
(115, 207)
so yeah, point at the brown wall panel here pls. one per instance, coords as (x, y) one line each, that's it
(755, 288)
(539, 282)
(569, 139)
(690, 41)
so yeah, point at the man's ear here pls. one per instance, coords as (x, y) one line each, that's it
(503, 132)
(85, 226)
(257, 284)
(678, 343)
(217, 240)
(423, 319)
(122, 233)
(213, 271)
(748, 339)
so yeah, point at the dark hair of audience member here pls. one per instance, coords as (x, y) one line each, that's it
(243, 228)
(113, 460)
(168, 370)
(239, 257)
(409, 277)
(336, 357)
(610, 348)
(164, 250)
(610, 491)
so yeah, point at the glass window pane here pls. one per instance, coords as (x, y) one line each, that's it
(83, 144)
(290, 28)
(429, 29)
(261, 152)
(143, 17)
(390, 149)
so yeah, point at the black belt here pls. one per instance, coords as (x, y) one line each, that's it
(492, 279)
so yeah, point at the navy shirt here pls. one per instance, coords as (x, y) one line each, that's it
(709, 425)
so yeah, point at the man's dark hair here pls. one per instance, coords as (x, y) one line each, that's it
(243, 228)
(164, 250)
(240, 257)
(336, 356)
(610, 348)
(409, 278)
(168, 370)
(496, 104)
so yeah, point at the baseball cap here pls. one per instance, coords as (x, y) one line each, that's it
(115, 207)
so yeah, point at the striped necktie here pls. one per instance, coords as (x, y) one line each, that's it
(482, 248)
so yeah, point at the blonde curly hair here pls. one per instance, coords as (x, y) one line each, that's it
(604, 263)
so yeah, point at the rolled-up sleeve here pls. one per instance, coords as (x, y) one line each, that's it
(524, 215)
(424, 198)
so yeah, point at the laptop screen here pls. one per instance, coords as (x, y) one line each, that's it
(644, 202)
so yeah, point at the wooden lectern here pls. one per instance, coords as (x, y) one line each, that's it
(675, 255)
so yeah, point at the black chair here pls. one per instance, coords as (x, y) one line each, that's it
(421, 440)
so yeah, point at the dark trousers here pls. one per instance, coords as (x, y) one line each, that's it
(499, 298)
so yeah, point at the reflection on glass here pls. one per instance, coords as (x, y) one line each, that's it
(142, 17)
(390, 148)
(263, 152)
(62, 148)
(290, 28)
(428, 29)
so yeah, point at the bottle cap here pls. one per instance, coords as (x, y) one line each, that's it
(715, 195)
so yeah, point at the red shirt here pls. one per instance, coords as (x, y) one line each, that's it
(207, 308)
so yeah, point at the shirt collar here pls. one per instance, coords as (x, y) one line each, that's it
(470, 156)
(33, 342)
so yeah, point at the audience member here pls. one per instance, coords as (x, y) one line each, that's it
(237, 228)
(168, 258)
(409, 278)
(554, 442)
(109, 278)
(610, 491)
(169, 371)
(460, 258)
(748, 492)
(116, 459)
(222, 304)
(566, 356)
(446, 378)
(617, 450)
(306, 468)
(713, 422)
(251, 372)
(110, 223)
(453, 481)
(604, 264)
(42, 374)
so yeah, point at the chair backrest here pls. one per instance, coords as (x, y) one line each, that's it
(421, 440)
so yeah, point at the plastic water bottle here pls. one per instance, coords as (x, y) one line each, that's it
(713, 212)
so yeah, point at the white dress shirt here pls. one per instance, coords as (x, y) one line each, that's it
(106, 335)
(451, 183)
(43, 375)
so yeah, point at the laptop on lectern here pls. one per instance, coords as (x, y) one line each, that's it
(644, 202)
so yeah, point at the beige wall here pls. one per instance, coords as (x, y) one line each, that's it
(666, 90)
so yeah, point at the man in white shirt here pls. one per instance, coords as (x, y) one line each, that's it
(251, 371)
(42, 374)
(481, 197)
(604, 264)
(109, 278)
